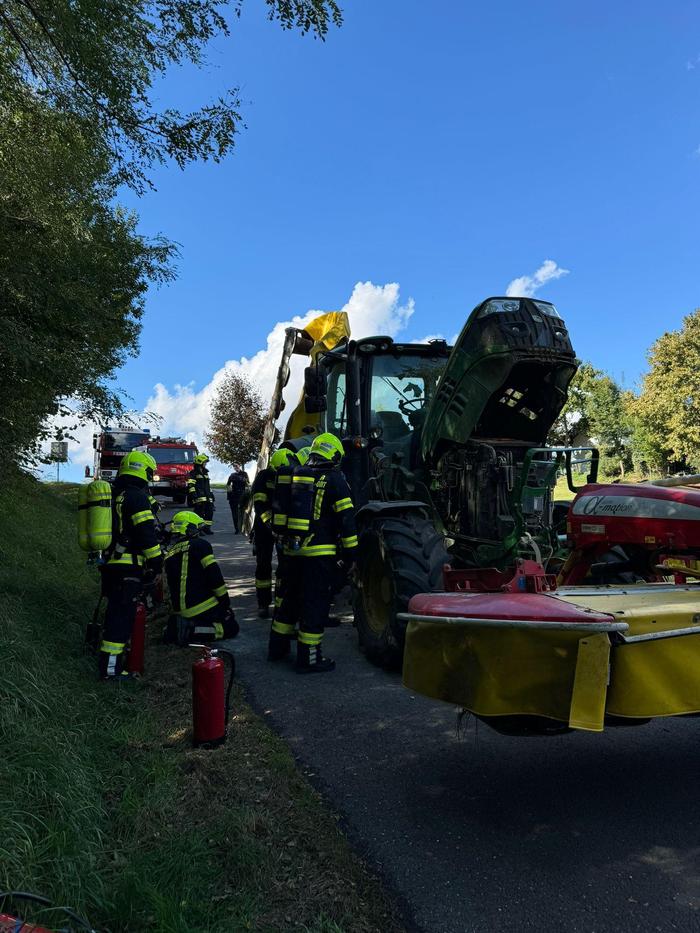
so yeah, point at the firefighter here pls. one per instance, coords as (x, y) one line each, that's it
(197, 589)
(287, 609)
(200, 498)
(325, 526)
(133, 560)
(236, 485)
(263, 540)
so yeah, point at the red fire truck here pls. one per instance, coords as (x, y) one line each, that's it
(175, 459)
(111, 444)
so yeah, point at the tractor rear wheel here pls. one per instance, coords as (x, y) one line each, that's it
(398, 557)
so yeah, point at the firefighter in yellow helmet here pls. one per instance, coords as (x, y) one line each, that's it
(201, 604)
(133, 558)
(320, 529)
(200, 498)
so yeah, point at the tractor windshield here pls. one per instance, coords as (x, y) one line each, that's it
(401, 388)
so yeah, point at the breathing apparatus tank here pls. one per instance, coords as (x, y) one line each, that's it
(95, 516)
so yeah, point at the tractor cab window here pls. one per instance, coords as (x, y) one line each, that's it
(337, 416)
(401, 388)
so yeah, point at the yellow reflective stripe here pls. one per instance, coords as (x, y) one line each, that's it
(349, 542)
(260, 497)
(284, 478)
(310, 638)
(319, 550)
(279, 520)
(266, 516)
(126, 558)
(210, 603)
(112, 647)
(282, 628)
(154, 551)
(270, 484)
(302, 479)
(342, 504)
(318, 500)
(138, 517)
(183, 581)
(298, 524)
(262, 584)
(218, 630)
(221, 590)
(201, 499)
(278, 602)
(208, 560)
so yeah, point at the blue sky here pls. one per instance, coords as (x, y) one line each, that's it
(449, 147)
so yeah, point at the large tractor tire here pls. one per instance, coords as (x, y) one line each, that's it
(399, 556)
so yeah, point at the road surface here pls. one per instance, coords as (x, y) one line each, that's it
(471, 830)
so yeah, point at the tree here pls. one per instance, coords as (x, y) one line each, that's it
(596, 413)
(73, 272)
(667, 412)
(99, 61)
(238, 416)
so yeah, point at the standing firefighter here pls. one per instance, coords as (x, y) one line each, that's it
(322, 519)
(133, 559)
(236, 486)
(200, 498)
(197, 588)
(263, 488)
(287, 611)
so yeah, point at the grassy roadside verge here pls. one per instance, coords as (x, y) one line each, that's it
(103, 803)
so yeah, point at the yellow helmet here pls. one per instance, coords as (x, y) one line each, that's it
(138, 463)
(201, 459)
(303, 454)
(186, 523)
(282, 457)
(328, 446)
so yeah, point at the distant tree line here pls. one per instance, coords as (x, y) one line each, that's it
(77, 122)
(652, 430)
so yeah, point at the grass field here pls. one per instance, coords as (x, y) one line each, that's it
(105, 806)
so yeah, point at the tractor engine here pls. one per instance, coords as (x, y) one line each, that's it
(483, 496)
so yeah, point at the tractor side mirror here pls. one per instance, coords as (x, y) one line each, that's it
(315, 389)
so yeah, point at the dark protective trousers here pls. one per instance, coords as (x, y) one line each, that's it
(205, 510)
(234, 505)
(318, 575)
(122, 587)
(264, 546)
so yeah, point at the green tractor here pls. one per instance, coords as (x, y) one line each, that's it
(446, 453)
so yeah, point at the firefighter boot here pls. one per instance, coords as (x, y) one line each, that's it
(278, 646)
(310, 659)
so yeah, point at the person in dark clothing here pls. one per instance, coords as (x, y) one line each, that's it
(320, 528)
(133, 559)
(200, 498)
(198, 592)
(236, 485)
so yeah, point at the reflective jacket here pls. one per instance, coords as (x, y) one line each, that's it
(195, 580)
(263, 487)
(282, 498)
(134, 535)
(198, 488)
(322, 513)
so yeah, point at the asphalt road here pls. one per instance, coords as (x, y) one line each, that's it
(471, 830)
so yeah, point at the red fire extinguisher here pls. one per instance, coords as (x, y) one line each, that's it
(10, 923)
(138, 641)
(210, 708)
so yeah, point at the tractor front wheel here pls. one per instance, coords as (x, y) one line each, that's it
(398, 557)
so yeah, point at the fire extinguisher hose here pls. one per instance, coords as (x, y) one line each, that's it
(232, 671)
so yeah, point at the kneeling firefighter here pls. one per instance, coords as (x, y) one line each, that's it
(263, 488)
(200, 498)
(133, 559)
(197, 589)
(321, 521)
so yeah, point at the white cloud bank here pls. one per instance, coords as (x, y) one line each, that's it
(184, 409)
(526, 285)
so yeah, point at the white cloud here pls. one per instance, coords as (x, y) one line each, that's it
(526, 285)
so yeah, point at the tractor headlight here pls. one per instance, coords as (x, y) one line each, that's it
(156, 478)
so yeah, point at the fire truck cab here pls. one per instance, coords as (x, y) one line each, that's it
(110, 445)
(175, 459)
